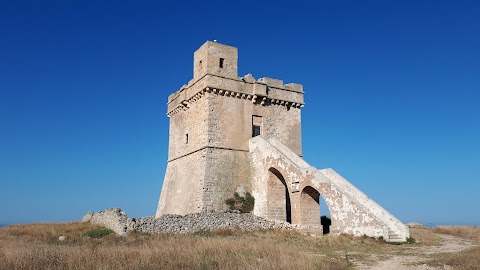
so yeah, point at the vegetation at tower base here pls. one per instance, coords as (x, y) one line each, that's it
(244, 204)
(97, 233)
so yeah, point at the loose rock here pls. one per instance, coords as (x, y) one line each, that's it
(118, 221)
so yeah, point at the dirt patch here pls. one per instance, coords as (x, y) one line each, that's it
(407, 257)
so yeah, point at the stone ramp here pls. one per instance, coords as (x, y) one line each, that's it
(352, 212)
(397, 231)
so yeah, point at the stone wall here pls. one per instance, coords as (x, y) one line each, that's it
(192, 122)
(118, 221)
(310, 207)
(184, 185)
(206, 60)
(111, 218)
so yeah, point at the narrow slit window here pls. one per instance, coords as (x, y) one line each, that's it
(186, 138)
(222, 60)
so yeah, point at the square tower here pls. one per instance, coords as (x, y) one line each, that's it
(211, 122)
(216, 59)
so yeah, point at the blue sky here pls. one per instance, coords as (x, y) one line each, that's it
(391, 90)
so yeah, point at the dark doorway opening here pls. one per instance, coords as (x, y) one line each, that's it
(326, 222)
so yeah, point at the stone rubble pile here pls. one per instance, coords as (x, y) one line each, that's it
(118, 221)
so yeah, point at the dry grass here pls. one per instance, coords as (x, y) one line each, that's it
(464, 260)
(466, 232)
(425, 237)
(45, 232)
(37, 247)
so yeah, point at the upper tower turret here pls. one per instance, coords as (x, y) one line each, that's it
(215, 59)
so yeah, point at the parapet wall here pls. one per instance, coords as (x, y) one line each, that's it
(263, 91)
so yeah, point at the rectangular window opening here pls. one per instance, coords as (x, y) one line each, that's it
(256, 125)
(255, 131)
(186, 138)
(221, 62)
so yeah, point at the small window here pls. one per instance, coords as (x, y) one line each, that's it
(255, 131)
(256, 125)
(221, 62)
(186, 138)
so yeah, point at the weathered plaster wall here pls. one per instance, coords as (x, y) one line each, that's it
(352, 212)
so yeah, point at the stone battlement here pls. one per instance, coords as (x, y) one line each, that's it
(264, 91)
(215, 70)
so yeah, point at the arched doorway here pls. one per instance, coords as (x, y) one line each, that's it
(310, 207)
(278, 197)
(311, 214)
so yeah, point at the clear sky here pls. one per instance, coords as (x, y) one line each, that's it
(391, 90)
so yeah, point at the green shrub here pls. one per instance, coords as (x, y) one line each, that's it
(411, 240)
(240, 203)
(97, 233)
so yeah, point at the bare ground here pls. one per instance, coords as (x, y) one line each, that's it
(408, 257)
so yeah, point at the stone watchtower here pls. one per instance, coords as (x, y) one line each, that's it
(212, 119)
(230, 133)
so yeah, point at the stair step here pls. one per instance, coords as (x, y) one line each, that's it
(397, 241)
(394, 237)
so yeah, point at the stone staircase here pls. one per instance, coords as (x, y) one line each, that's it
(394, 237)
(353, 212)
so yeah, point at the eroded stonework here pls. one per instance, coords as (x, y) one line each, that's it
(231, 133)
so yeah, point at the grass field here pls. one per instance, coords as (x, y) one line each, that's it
(465, 260)
(37, 246)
